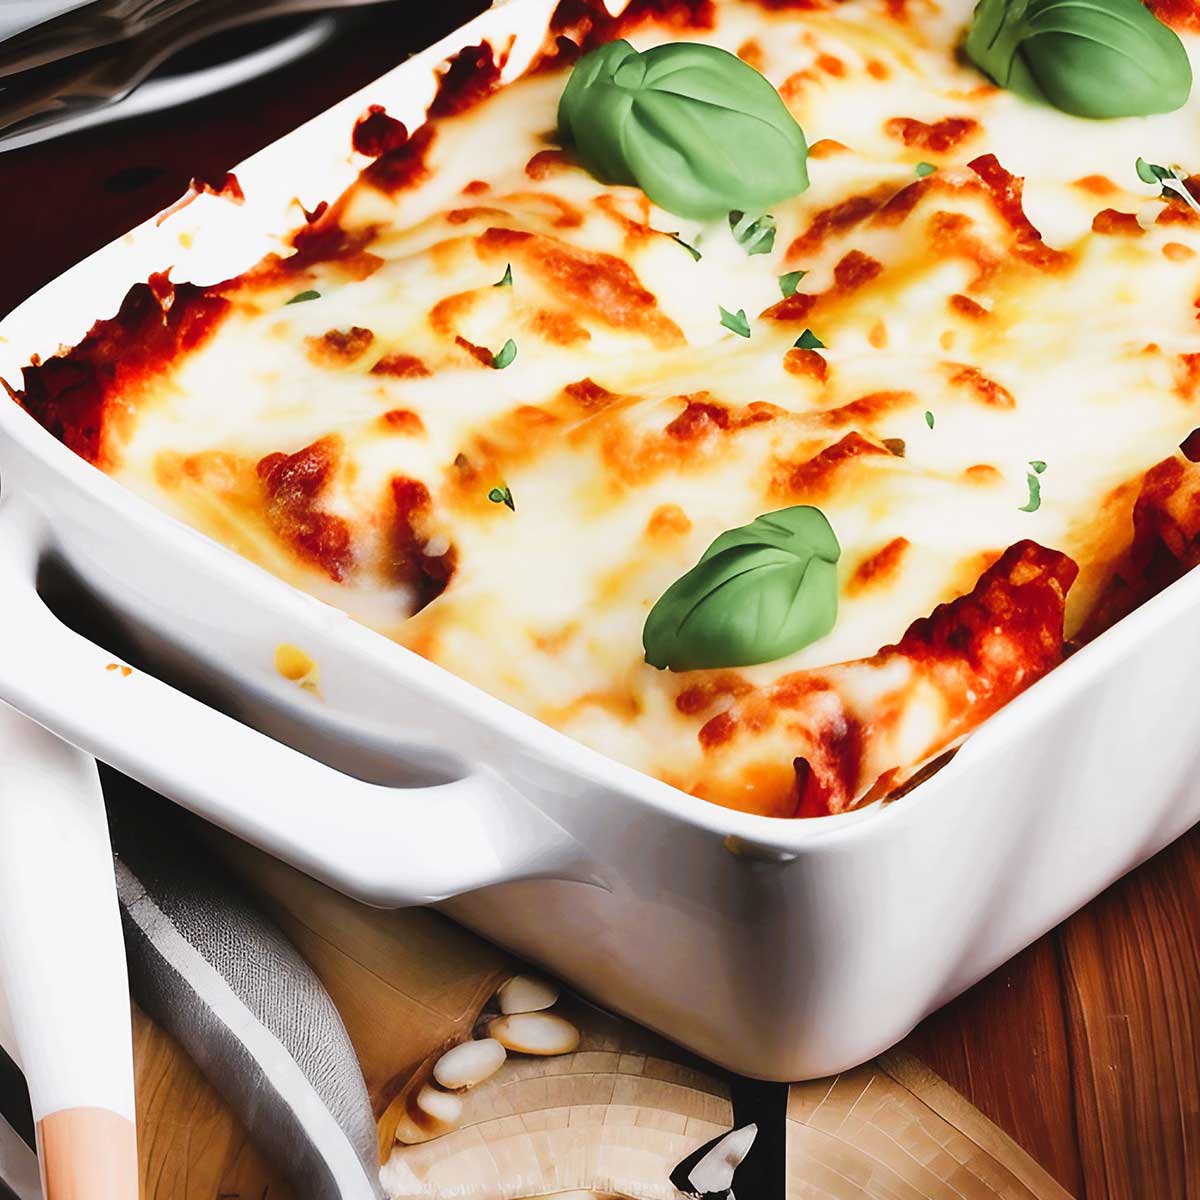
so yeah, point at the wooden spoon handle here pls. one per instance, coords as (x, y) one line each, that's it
(88, 1154)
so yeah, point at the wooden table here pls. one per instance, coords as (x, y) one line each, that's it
(1086, 1047)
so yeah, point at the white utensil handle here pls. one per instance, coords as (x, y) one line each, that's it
(62, 963)
(390, 847)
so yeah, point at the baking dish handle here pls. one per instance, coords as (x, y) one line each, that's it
(389, 847)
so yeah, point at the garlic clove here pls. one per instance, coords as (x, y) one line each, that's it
(534, 1033)
(469, 1063)
(526, 994)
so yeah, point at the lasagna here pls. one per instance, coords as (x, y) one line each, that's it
(488, 403)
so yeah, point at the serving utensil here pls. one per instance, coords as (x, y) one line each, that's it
(62, 964)
(83, 63)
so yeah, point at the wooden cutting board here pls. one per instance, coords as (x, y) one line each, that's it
(615, 1115)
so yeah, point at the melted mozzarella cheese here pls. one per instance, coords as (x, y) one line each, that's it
(960, 345)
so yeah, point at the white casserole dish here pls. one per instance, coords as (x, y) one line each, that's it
(779, 949)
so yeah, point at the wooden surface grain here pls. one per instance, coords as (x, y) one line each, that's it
(1086, 1047)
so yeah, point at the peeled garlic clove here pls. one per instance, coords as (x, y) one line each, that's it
(411, 1134)
(469, 1063)
(438, 1105)
(534, 1033)
(526, 994)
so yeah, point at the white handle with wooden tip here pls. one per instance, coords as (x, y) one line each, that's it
(62, 964)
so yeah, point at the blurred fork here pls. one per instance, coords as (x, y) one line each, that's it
(107, 75)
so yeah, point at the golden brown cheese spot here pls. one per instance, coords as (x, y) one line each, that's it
(827, 148)
(1187, 375)
(991, 393)
(1097, 185)
(546, 163)
(751, 52)
(697, 698)
(401, 366)
(600, 286)
(877, 335)
(938, 137)
(807, 364)
(667, 523)
(293, 485)
(1113, 223)
(477, 187)
(1177, 252)
(558, 328)
(983, 474)
(868, 409)
(481, 354)
(854, 271)
(815, 476)
(1179, 14)
(797, 307)
(339, 347)
(880, 567)
(839, 218)
(588, 396)
(831, 65)
(964, 306)
(877, 70)
(404, 421)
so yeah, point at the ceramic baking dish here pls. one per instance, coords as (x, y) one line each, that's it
(782, 949)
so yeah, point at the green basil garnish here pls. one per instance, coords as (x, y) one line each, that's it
(924, 169)
(505, 356)
(808, 341)
(1035, 494)
(754, 235)
(736, 322)
(1091, 58)
(505, 280)
(1171, 179)
(698, 130)
(502, 495)
(302, 297)
(790, 282)
(758, 593)
(929, 418)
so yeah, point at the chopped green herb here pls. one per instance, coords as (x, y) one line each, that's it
(924, 169)
(507, 353)
(506, 280)
(1035, 494)
(789, 282)
(929, 418)
(300, 297)
(502, 495)
(1038, 465)
(809, 341)
(755, 235)
(895, 446)
(735, 321)
(689, 248)
(1171, 179)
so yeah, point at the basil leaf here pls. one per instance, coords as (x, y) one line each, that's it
(505, 356)
(698, 130)
(506, 279)
(808, 341)
(929, 418)
(735, 321)
(301, 297)
(1038, 466)
(1091, 58)
(924, 168)
(502, 495)
(754, 236)
(1035, 494)
(1172, 180)
(759, 593)
(789, 282)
